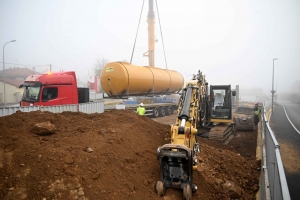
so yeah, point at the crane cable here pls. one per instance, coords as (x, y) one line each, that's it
(162, 40)
(160, 33)
(137, 32)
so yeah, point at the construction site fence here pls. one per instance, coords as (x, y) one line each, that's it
(91, 107)
(273, 184)
(96, 96)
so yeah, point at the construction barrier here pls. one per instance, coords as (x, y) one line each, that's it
(91, 107)
(273, 184)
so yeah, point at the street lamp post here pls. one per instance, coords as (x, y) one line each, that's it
(4, 93)
(273, 92)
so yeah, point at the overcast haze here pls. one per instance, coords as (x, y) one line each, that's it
(232, 42)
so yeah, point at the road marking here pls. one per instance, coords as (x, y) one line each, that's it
(290, 120)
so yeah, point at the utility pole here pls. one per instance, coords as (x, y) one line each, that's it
(237, 95)
(4, 92)
(273, 91)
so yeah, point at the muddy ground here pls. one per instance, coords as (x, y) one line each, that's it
(113, 156)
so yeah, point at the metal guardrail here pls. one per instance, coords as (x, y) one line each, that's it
(91, 107)
(273, 184)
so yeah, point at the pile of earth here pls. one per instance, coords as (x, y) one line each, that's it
(111, 155)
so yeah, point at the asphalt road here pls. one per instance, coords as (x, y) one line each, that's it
(285, 123)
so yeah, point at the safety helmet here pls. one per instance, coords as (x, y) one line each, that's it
(256, 103)
(141, 104)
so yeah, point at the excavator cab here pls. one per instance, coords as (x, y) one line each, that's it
(222, 128)
(221, 104)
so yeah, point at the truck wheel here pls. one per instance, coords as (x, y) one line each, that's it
(169, 110)
(155, 112)
(162, 111)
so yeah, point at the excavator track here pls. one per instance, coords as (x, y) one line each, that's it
(222, 133)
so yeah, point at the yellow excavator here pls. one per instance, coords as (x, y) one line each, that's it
(178, 159)
(197, 111)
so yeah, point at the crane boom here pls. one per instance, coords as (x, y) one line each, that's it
(151, 34)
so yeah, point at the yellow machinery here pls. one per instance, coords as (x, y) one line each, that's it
(178, 159)
(221, 126)
(197, 111)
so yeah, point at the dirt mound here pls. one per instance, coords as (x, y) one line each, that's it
(107, 156)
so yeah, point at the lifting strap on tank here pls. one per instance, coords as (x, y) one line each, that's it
(112, 88)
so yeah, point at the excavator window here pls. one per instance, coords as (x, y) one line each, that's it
(220, 104)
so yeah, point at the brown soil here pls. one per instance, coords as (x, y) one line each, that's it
(123, 163)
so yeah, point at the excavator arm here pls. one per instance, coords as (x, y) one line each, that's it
(179, 158)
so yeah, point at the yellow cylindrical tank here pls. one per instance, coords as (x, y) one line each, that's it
(123, 79)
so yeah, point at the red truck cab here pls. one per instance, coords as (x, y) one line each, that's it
(57, 88)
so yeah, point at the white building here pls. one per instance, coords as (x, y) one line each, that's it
(13, 78)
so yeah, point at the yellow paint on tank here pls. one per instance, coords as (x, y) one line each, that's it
(122, 78)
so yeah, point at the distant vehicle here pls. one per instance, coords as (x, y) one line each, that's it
(57, 88)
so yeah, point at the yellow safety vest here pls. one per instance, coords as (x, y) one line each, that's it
(140, 110)
(257, 112)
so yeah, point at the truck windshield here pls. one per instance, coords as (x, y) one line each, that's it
(31, 93)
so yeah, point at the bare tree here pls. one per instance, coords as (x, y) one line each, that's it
(98, 66)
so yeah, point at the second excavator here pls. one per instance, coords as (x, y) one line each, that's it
(197, 110)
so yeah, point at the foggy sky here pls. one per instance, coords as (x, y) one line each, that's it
(232, 42)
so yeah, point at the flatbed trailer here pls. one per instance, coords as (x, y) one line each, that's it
(152, 109)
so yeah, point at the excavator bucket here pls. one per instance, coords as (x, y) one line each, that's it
(176, 164)
(243, 123)
(244, 110)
